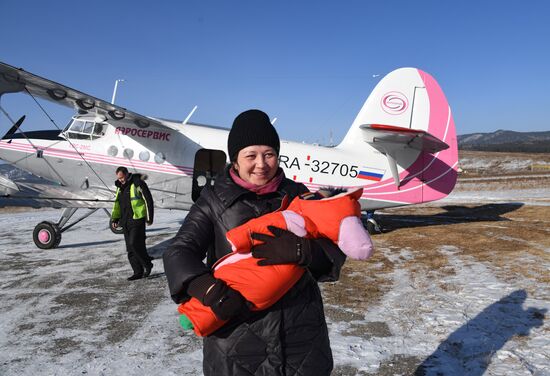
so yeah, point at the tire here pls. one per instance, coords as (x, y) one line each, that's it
(119, 230)
(373, 228)
(370, 228)
(46, 235)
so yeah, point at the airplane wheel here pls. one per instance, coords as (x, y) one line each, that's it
(46, 235)
(373, 228)
(370, 228)
(119, 230)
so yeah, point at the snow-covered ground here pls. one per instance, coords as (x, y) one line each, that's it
(530, 196)
(71, 310)
(481, 326)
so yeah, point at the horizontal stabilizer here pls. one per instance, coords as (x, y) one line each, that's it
(414, 138)
(389, 138)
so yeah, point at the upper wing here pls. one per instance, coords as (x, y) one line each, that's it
(14, 80)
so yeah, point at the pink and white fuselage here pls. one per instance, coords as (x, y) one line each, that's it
(388, 151)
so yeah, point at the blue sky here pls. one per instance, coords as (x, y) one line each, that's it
(308, 63)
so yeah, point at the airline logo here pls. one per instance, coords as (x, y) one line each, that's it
(143, 133)
(394, 103)
(368, 173)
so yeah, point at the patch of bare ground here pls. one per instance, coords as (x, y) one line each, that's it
(396, 365)
(486, 163)
(496, 155)
(362, 284)
(513, 239)
(495, 183)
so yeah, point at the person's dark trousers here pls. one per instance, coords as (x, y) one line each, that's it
(134, 236)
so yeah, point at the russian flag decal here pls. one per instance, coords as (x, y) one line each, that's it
(370, 174)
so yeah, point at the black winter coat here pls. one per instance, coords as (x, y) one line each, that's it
(289, 338)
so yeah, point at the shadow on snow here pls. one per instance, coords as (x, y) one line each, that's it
(469, 349)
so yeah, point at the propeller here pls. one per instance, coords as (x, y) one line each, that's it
(15, 127)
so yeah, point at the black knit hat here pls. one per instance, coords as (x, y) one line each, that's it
(251, 127)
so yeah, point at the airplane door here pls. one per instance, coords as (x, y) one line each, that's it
(208, 163)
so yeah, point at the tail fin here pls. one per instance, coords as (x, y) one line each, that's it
(408, 119)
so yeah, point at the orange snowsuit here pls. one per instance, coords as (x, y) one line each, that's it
(336, 218)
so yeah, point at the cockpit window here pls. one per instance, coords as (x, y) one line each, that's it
(99, 130)
(84, 130)
(77, 126)
(88, 127)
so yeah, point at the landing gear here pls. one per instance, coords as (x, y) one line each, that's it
(373, 227)
(115, 230)
(370, 223)
(47, 235)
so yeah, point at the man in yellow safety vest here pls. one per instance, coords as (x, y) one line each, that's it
(133, 209)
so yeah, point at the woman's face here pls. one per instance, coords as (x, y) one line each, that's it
(257, 164)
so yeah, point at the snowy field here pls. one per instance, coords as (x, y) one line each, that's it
(430, 302)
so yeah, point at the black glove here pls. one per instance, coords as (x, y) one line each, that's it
(224, 301)
(283, 248)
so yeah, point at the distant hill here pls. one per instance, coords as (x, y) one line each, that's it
(508, 141)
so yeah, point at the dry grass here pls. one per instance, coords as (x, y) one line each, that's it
(544, 157)
(514, 239)
(523, 181)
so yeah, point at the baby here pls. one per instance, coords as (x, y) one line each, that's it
(325, 213)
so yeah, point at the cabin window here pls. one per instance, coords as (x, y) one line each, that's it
(112, 151)
(160, 157)
(79, 129)
(144, 155)
(128, 153)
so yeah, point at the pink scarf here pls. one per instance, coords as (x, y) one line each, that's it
(269, 187)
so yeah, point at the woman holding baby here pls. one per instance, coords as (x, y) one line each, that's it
(291, 336)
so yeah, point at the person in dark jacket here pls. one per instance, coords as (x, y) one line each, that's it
(133, 208)
(290, 337)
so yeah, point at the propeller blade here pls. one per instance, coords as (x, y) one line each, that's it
(15, 127)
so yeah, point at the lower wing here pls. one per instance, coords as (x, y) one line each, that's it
(44, 195)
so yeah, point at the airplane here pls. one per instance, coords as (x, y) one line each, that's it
(401, 148)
